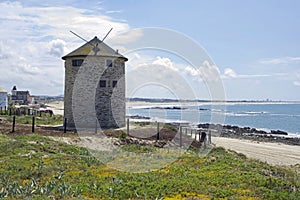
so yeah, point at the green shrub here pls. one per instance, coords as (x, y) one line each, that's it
(170, 127)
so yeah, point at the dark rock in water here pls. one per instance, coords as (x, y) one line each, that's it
(168, 108)
(253, 130)
(261, 132)
(174, 108)
(227, 126)
(235, 127)
(203, 125)
(138, 117)
(278, 132)
(203, 109)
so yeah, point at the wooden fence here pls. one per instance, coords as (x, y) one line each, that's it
(23, 111)
(198, 134)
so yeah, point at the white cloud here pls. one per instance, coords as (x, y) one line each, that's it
(296, 83)
(228, 72)
(113, 11)
(154, 80)
(136, 60)
(125, 37)
(193, 71)
(25, 68)
(206, 72)
(256, 75)
(37, 22)
(154, 76)
(297, 77)
(283, 60)
(57, 47)
(33, 39)
(166, 62)
(5, 51)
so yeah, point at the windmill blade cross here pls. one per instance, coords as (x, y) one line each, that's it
(83, 39)
(106, 35)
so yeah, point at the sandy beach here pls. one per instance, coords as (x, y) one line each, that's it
(272, 153)
(57, 107)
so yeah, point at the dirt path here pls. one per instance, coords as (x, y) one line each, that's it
(272, 153)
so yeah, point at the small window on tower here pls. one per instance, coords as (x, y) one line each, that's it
(109, 63)
(77, 62)
(114, 83)
(102, 83)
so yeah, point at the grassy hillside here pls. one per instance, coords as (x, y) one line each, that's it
(37, 167)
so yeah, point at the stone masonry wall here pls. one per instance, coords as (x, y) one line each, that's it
(86, 103)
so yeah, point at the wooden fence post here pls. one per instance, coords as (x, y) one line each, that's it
(157, 135)
(33, 122)
(127, 127)
(209, 136)
(65, 125)
(14, 124)
(203, 139)
(180, 137)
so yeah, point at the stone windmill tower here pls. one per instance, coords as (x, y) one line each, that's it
(95, 72)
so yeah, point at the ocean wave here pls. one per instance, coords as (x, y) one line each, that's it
(284, 115)
(241, 114)
(255, 112)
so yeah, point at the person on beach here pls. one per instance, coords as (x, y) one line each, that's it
(203, 139)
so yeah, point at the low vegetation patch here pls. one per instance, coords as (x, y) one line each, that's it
(36, 167)
(142, 123)
(44, 119)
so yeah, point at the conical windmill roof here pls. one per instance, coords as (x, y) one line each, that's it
(94, 47)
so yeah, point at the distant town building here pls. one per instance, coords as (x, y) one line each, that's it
(3, 98)
(109, 67)
(20, 97)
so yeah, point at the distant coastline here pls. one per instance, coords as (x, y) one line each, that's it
(163, 100)
(168, 100)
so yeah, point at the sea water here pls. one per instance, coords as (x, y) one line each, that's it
(266, 116)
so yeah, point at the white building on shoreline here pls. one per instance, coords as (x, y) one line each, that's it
(3, 98)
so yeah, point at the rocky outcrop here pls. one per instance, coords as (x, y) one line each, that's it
(278, 132)
(250, 133)
(229, 129)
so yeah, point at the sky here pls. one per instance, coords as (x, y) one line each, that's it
(236, 50)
